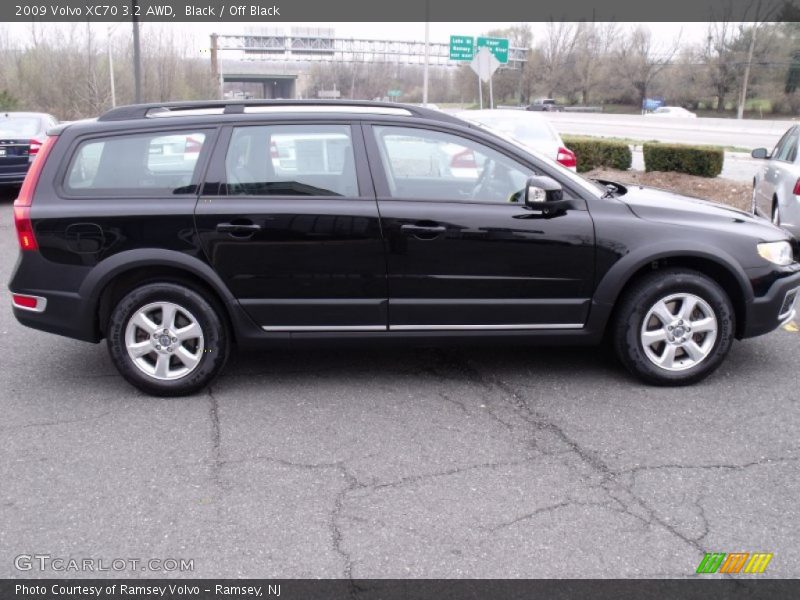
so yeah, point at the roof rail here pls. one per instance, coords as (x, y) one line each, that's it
(141, 111)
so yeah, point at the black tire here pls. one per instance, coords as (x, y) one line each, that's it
(215, 338)
(643, 295)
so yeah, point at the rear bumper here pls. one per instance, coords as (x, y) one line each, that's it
(776, 307)
(12, 178)
(66, 312)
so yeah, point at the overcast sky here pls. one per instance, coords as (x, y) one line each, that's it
(664, 33)
(440, 32)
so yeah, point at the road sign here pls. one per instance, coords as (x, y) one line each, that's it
(484, 63)
(497, 46)
(329, 94)
(462, 47)
(394, 93)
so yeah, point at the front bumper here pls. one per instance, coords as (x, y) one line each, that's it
(776, 306)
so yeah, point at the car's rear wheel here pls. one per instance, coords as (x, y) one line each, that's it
(167, 340)
(674, 327)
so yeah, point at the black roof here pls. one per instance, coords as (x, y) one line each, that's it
(141, 111)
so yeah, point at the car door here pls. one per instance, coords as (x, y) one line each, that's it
(289, 221)
(462, 251)
(773, 170)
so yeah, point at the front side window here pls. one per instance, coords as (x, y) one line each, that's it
(291, 160)
(431, 165)
(141, 164)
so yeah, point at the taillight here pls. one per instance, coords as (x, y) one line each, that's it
(463, 160)
(566, 157)
(796, 191)
(22, 221)
(22, 205)
(193, 146)
(35, 146)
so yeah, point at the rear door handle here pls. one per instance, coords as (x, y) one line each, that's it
(422, 229)
(240, 228)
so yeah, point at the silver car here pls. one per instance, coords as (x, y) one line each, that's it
(776, 186)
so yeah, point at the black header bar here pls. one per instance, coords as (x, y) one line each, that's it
(280, 11)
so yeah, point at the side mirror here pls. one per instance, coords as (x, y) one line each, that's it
(540, 190)
(760, 153)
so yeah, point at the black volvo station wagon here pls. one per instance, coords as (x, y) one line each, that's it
(176, 230)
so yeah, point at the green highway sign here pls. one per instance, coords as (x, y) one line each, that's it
(462, 47)
(497, 46)
(394, 93)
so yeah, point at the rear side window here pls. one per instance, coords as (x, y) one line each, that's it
(788, 149)
(137, 165)
(14, 127)
(291, 160)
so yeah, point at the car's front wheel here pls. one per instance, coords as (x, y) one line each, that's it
(674, 327)
(167, 340)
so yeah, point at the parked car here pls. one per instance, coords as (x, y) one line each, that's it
(546, 105)
(21, 137)
(529, 129)
(672, 111)
(172, 266)
(776, 186)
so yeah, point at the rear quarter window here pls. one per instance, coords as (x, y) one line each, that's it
(151, 164)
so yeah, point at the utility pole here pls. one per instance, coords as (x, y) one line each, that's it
(215, 63)
(137, 53)
(746, 78)
(427, 58)
(111, 71)
(750, 50)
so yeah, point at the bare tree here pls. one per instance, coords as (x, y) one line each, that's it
(639, 61)
(556, 53)
(594, 43)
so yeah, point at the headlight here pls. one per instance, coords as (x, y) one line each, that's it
(779, 253)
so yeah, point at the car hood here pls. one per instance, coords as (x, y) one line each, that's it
(667, 207)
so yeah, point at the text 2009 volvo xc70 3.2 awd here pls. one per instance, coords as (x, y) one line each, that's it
(177, 230)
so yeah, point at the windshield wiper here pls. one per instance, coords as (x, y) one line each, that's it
(611, 190)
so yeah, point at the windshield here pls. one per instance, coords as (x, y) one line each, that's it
(592, 187)
(19, 127)
(525, 127)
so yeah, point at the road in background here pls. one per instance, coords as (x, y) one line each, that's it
(738, 166)
(488, 462)
(745, 133)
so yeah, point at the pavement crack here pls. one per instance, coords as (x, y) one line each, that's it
(404, 481)
(337, 536)
(726, 466)
(213, 413)
(56, 422)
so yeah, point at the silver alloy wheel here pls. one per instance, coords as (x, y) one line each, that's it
(679, 332)
(164, 341)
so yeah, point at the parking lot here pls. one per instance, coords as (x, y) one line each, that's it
(458, 462)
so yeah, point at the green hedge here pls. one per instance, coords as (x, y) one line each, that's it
(705, 161)
(597, 152)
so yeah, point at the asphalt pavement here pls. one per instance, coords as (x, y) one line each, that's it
(744, 133)
(458, 462)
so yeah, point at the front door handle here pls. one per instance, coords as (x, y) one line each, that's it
(248, 228)
(422, 229)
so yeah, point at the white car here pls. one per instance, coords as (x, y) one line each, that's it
(776, 186)
(527, 128)
(672, 111)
